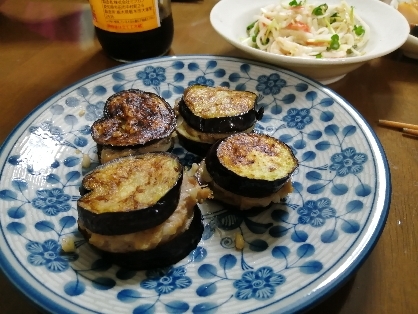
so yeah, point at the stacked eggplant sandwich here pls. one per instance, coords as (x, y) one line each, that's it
(133, 122)
(141, 212)
(208, 114)
(248, 170)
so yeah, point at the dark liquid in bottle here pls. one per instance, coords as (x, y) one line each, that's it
(127, 47)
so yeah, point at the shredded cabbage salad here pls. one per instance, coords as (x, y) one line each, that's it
(296, 28)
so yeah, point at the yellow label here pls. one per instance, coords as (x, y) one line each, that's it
(125, 16)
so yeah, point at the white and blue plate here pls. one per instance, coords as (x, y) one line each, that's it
(296, 252)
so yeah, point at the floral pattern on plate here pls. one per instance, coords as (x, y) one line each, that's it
(295, 251)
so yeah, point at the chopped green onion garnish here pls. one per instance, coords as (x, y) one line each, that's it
(335, 42)
(251, 25)
(294, 3)
(318, 56)
(254, 38)
(320, 10)
(349, 51)
(359, 30)
(333, 18)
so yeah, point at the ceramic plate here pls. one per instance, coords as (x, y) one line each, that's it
(296, 252)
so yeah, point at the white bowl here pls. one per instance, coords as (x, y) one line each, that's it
(410, 47)
(389, 30)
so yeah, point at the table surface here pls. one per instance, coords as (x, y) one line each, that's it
(47, 45)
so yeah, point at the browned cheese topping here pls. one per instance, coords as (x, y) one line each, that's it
(256, 156)
(134, 117)
(130, 184)
(217, 102)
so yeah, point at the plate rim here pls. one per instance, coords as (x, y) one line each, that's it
(43, 302)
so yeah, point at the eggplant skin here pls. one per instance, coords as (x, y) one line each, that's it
(218, 109)
(131, 221)
(163, 255)
(197, 148)
(199, 142)
(134, 117)
(130, 194)
(253, 165)
(240, 202)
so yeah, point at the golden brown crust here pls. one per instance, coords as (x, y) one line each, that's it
(256, 156)
(133, 117)
(130, 183)
(217, 102)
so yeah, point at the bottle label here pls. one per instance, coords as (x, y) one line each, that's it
(125, 16)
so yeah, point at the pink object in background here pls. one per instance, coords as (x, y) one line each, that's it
(66, 21)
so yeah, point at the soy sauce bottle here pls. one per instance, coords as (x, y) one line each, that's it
(130, 30)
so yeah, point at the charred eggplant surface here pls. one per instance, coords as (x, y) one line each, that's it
(253, 165)
(218, 109)
(136, 121)
(131, 193)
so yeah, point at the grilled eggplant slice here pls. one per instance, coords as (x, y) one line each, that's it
(208, 114)
(218, 109)
(161, 245)
(135, 121)
(164, 254)
(253, 165)
(130, 194)
(241, 202)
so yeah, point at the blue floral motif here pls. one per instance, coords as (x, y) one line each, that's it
(316, 213)
(298, 119)
(94, 111)
(48, 254)
(271, 84)
(201, 80)
(348, 161)
(152, 76)
(52, 202)
(166, 280)
(259, 284)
